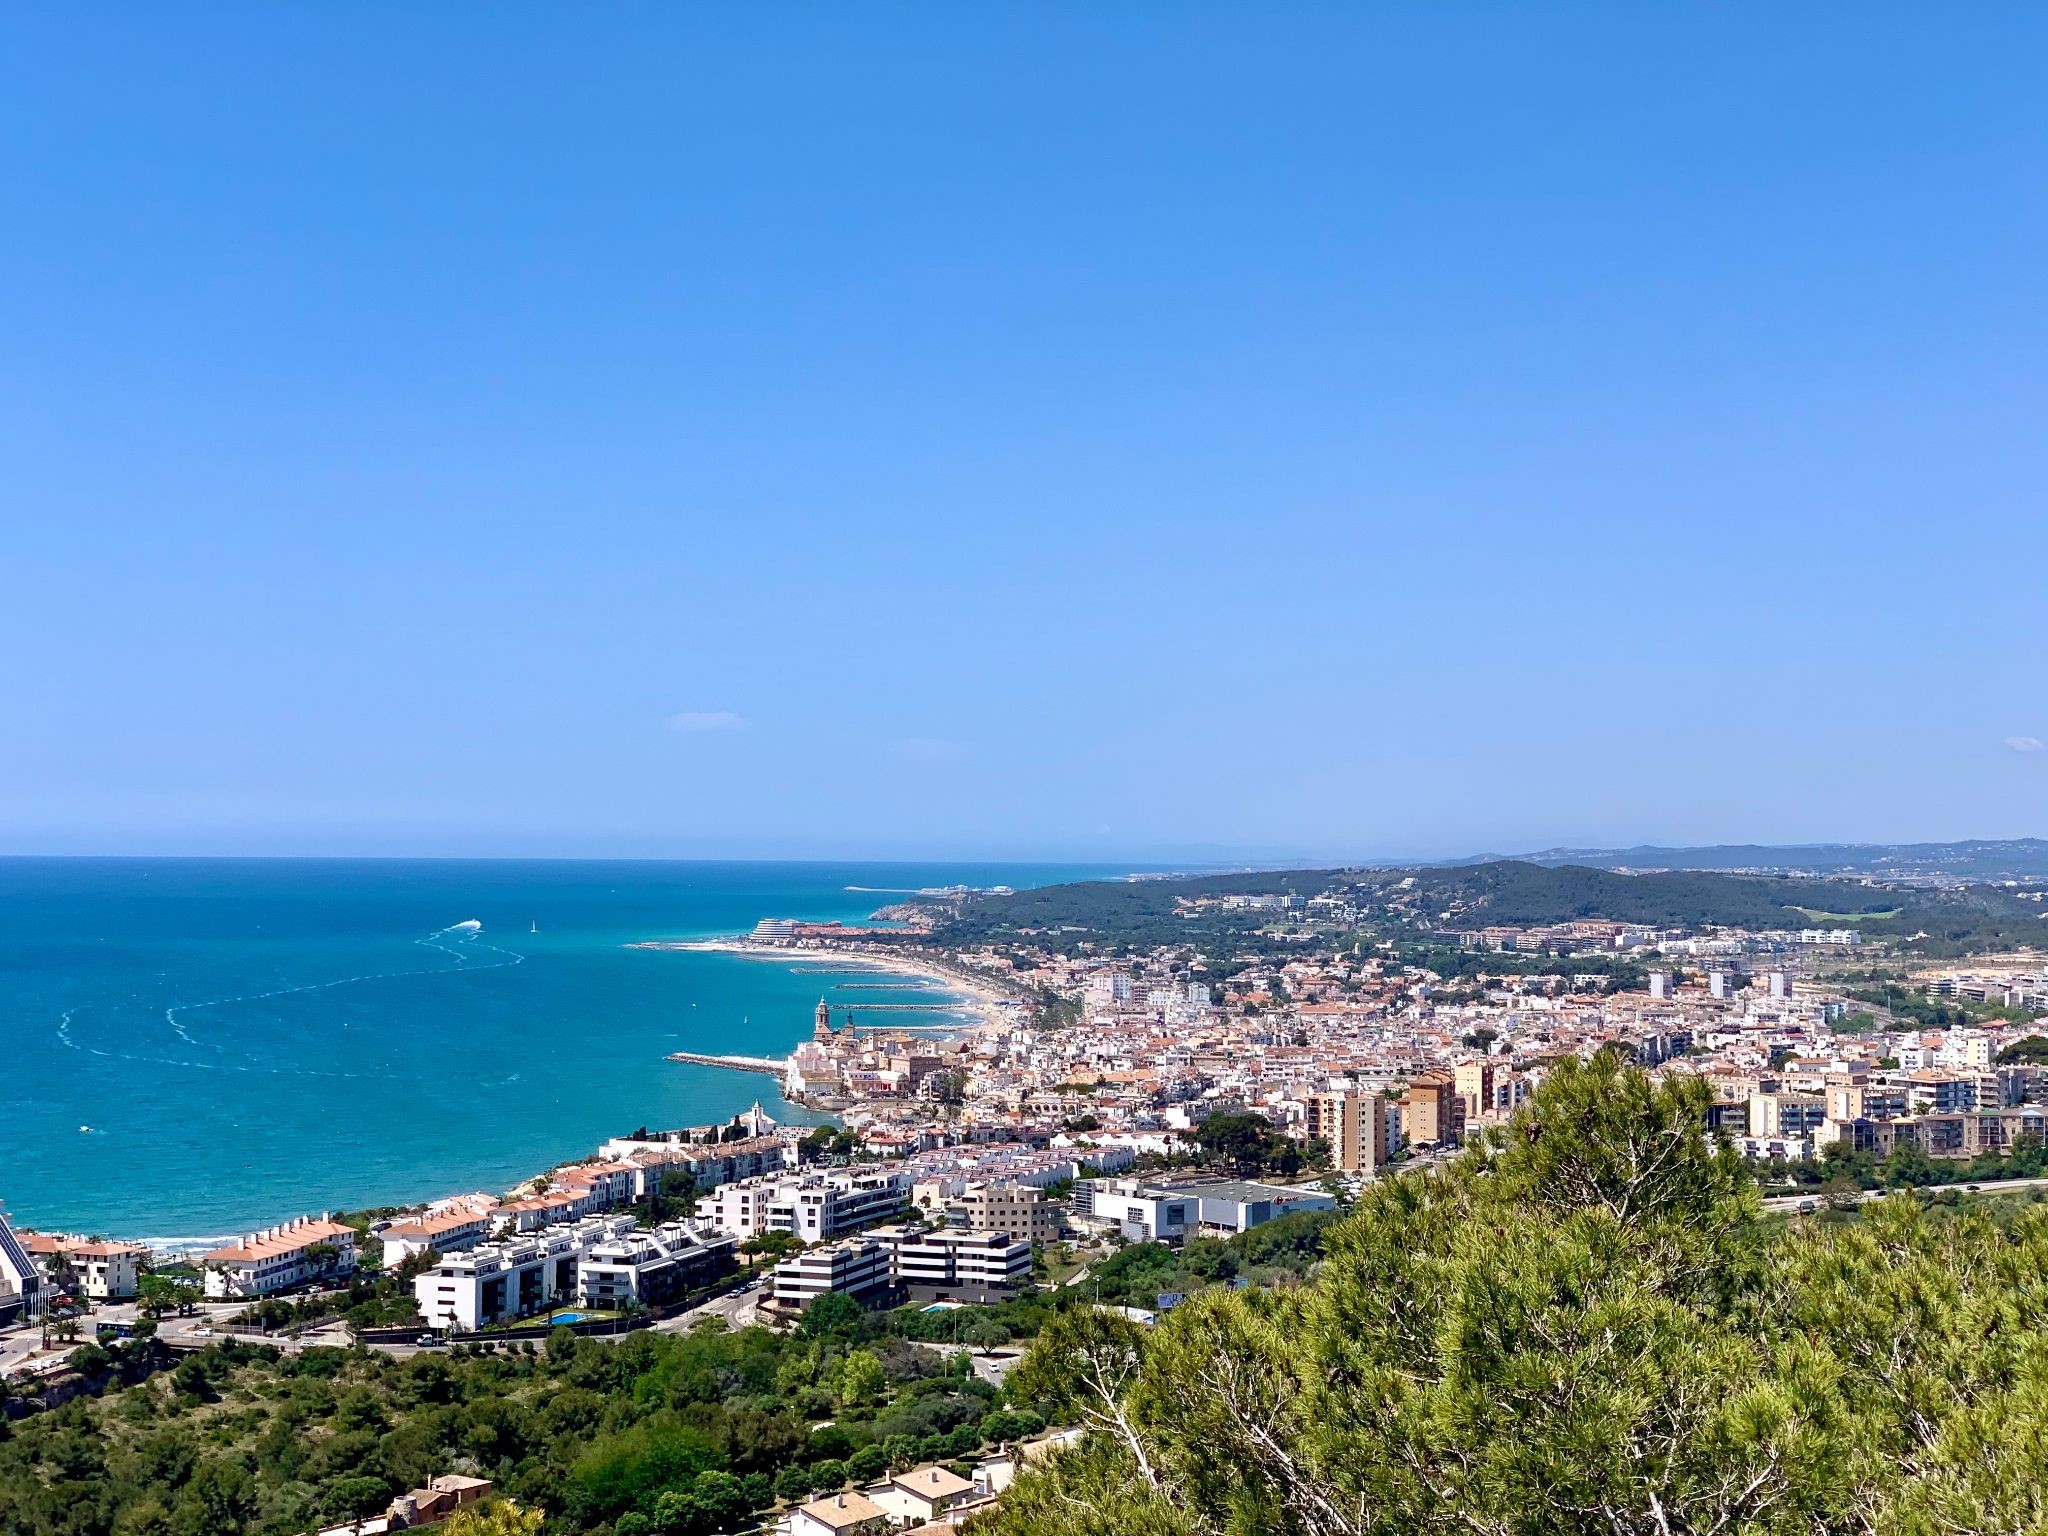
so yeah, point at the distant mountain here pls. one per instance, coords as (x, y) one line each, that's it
(2014, 858)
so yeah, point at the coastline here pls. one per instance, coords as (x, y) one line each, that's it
(972, 995)
(961, 993)
(309, 1063)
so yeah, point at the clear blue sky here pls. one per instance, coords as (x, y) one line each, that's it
(1093, 430)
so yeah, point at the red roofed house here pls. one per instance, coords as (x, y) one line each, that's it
(278, 1258)
(105, 1271)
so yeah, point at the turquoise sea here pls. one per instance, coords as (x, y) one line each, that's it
(191, 1047)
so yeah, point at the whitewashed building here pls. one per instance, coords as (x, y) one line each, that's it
(279, 1258)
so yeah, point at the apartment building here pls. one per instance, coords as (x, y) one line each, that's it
(705, 1164)
(942, 1264)
(1942, 1093)
(513, 1277)
(102, 1271)
(652, 1268)
(815, 1207)
(1016, 1210)
(1864, 1101)
(278, 1258)
(1963, 1134)
(1433, 1112)
(856, 1266)
(1354, 1125)
(1488, 1090)
(1786, 1114)
(450, 1231)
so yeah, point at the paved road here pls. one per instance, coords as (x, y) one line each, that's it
(1792, 1203)
(740, 1310)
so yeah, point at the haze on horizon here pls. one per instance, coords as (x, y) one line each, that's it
(1172, 432)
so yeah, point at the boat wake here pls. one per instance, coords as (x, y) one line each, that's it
(459, 941)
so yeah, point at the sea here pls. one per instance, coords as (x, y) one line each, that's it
(191, 1048)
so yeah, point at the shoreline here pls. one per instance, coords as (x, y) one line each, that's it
(967, 996)
(982, 998)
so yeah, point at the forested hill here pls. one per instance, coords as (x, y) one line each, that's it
(1511, 892)
(1506, 892)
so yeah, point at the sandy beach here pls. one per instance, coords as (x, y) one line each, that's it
(981, 997)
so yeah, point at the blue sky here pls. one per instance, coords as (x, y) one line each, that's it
(1076, 431)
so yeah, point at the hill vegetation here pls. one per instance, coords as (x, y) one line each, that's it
(1107, 916)
(1510, 892)
(655, 1433)
(651, 1435)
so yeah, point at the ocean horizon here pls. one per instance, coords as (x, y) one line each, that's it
(196, 1047)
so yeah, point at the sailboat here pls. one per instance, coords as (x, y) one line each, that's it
(536, 926)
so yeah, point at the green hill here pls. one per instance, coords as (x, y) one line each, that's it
(1506, 892)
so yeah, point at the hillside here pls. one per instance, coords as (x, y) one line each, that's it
(1511, 892)
(1504, 892)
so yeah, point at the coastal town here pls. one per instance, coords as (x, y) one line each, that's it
(1079, 1095)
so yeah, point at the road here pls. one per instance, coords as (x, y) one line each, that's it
(740, 1309)
(1789, 1204)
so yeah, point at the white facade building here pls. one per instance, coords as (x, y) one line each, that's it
(278, 1258)
(22, 1288)
(946, 1264)
(652, 1268)
(105, 1271)
(516, 1277)
(449, 1232)
(815, 1207)
(856, 1266)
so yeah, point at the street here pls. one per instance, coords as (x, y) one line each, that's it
(1790, 1204)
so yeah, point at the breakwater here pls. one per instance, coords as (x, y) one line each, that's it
(762, 1064)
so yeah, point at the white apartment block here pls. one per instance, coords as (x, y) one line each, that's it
(278, 1258)
(943, 1264)
(815, 1207)
(105, 1271)
(856, 1267)
(449, 1232)
(515, 1277)
(652, 1268)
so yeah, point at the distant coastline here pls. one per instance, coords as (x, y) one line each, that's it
(980, 997)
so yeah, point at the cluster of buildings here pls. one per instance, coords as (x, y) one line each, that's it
(1362, 1059)
(1172, 1210)
(604, 1263)
(928, 1264)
